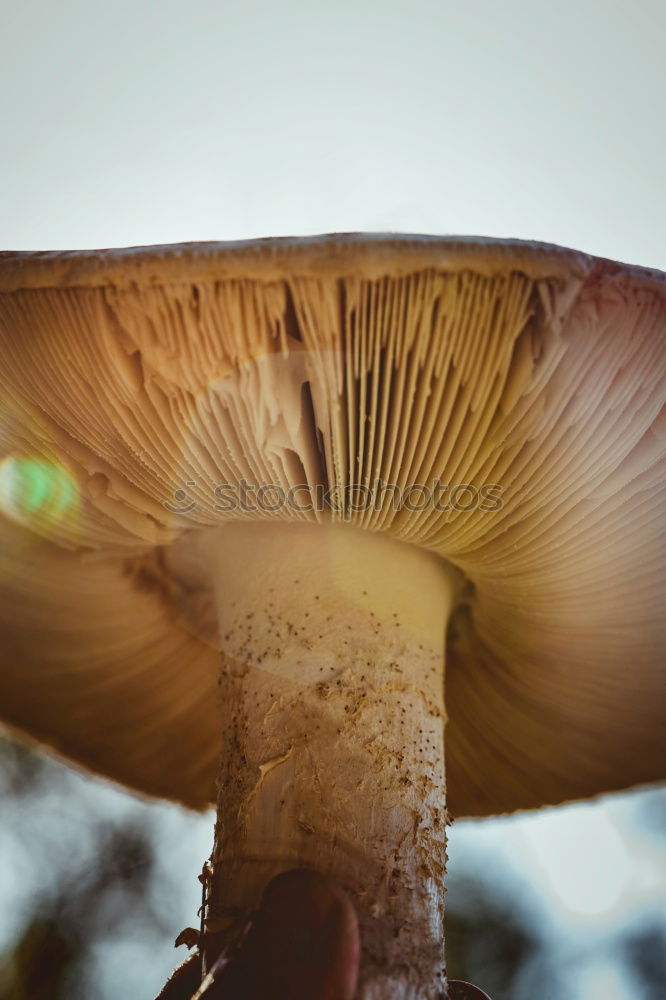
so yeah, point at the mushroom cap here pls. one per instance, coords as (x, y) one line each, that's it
(134, 382)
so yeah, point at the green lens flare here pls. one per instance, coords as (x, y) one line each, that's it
(34, 488)
(34, 485)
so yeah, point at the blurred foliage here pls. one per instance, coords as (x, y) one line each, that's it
(53, 948)
(488, 941)
(74, 909)
(645, 951)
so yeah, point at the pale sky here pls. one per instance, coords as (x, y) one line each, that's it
(142, 122)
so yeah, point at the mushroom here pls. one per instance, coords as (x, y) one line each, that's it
(276, 480)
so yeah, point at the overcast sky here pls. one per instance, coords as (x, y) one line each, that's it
(140, 122)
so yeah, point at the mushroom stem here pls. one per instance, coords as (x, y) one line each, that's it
(332, 695)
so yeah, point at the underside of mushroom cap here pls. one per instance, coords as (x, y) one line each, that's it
(354, 377)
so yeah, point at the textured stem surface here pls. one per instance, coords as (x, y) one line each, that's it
(332, 695)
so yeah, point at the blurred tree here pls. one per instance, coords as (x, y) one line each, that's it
(73, 909)
(645, 950)
(48, 962)
(487, 940)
